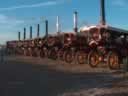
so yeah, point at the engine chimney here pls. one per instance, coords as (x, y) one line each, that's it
(38, 30)
(30, 32)
(24, 33)
(46, 26)
(102, 12)
(75, 22)
(57, 25)
(19, 36)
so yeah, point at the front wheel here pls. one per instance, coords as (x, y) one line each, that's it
(93, 58)
(113, 60)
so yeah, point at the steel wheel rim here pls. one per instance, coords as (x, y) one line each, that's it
(60, 54)
(68, 58)
(113, 60)
(81, 58)
(94, 59)
(41, 53)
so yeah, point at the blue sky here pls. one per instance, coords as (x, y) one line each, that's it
(17, 14)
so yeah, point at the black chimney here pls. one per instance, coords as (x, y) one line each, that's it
(46, 26)
(24, 33)
(30, 32)
(19, 36)
(38, 30)
(102, 12)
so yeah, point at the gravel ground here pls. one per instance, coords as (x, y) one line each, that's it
(28, 76)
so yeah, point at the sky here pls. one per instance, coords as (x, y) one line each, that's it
(17, 14)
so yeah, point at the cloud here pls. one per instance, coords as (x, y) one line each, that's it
(120, 3)
(42, 4)
(8, 20)
(9, 24)
(9, 27)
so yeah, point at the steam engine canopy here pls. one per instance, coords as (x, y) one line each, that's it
(92, 32)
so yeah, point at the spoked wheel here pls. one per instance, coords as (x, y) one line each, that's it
(53, 54)
(37, 52)
(113, 60)
(49, 53)
(45, 50)
(69, 56)
(60, 54)
(81, 57)
(30, 51)
(34, 52)
(42, 54)
(25, 52)
(22, 51)
(93, 59)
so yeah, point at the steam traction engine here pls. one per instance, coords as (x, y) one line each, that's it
(52, 44)
(108, 44)
(11, 47)
(82, 48)
(66, 48)
(74, 47)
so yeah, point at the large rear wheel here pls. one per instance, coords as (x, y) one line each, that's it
(25, 52)
(60, 54)
(36, 52)
(54, 54)
(42, 54)
(30, 52)
(81, 57)
(93, 58)
(113, 60)
(69, 56)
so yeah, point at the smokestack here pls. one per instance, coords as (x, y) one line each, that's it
(19, 36)
(57, 25)
(75, 22)
(24, 33)
(30, 32)
(102, 12)
(38, 30)
(46, 26)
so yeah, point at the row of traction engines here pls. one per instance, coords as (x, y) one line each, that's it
(92, 45)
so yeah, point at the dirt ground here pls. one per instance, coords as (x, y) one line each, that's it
(29, 76)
